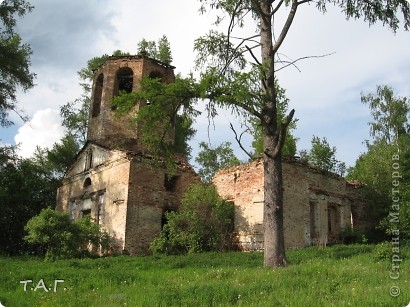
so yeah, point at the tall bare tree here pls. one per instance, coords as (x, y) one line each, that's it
(220, 52)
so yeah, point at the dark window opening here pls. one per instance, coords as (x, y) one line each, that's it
(124, 80)
(89, 160)
(155, 75)
(170, 182)
(87, 182)
(86, 212)
(99, 83)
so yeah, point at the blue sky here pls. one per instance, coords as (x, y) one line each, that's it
(325, 92)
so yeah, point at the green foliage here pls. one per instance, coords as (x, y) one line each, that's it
(167, 107)
(26, 187)
(183, 133)
(86, 74)
(374, 167)
(210, 160)
(75, 118)
(61, 156)
(204, 223)
(323, 156)
(160, 51)
(390, 114)
(59, 237)
(383, 252)
(353, 236)
(14, 58)
(391, 143)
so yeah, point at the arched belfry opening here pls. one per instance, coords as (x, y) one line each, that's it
(98, 90)
(124, 80)
(121, 74)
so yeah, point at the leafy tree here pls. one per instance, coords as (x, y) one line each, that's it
(222, 56)
(246, 84)
(14, 58)
(323, 156)
(160, 51)
(164, 50)
(390, 132)
(59, 237)
(390, 114)
(211, 159)
(204, 223)
(25, 188)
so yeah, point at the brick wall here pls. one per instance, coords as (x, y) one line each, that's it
(316, 208)
(148, 199)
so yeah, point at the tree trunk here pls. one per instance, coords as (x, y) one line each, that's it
(274, 245)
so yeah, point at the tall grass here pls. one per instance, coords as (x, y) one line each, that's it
(332, 276)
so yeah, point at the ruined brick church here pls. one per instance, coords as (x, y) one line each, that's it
(112, 181)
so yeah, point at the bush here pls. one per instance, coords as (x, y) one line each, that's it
(204, 223)
(57, 237)
(383, 251)
(353, 236)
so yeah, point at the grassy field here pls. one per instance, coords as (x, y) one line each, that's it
(332, 276)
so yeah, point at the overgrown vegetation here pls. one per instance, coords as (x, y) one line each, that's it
(331, 276)
(385, 167)
(204, 223)
(57, 237)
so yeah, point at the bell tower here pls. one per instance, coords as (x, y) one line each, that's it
(120, 73)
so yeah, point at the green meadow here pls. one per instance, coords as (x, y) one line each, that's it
(331, 276)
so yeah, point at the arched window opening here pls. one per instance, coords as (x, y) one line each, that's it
(99, 83)
(124, 80)
(87, 182)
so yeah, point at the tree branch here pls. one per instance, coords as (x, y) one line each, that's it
(292, 63)
(282, 133)
(286, 26)
(253, 56)
(277, 7)
(238, 140)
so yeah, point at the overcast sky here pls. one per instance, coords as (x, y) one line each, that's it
(325, 93)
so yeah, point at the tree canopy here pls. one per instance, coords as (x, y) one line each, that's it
(14, 59)
(160, 51)
(387, 159)
(210, 159)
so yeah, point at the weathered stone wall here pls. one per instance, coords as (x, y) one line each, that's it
(104, 127)
(103, 189)
(151, 194)
(315, 205)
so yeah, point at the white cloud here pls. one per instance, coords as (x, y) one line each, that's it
(43, 130)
